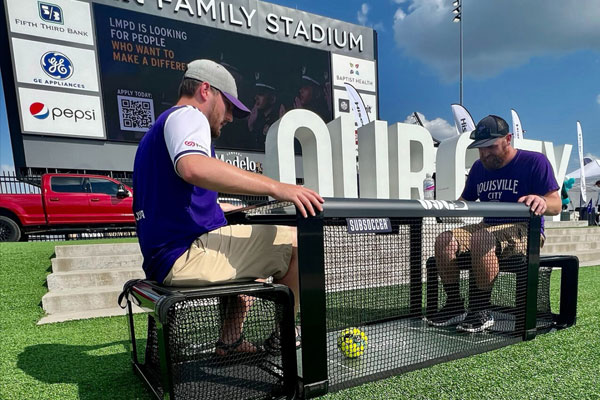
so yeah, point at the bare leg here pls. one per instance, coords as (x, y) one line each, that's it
(238, 309)
(446, 247)
(484, 259)
(291, 278)
(233, 324)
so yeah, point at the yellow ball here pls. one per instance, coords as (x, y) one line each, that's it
(352, 342)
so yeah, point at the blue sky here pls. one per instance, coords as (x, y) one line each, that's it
(539, 57)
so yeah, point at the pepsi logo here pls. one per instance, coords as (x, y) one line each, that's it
(39, 110)
(56, 65)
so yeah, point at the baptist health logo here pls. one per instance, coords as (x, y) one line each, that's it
(50, 13)
(56, 65)
(39, 110)
(354, 69)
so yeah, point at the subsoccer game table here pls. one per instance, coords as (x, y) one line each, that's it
(369, 265)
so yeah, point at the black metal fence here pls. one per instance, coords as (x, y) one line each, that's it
(10, 183)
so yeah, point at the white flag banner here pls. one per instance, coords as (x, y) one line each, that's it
(581, 163)
(462, 119)
(361, 117)
(516, 125)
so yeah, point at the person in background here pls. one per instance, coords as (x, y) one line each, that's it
(311, 95)
(266, 110)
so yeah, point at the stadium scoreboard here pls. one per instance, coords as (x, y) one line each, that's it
(85, 79)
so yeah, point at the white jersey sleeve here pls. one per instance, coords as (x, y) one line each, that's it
(187, 131)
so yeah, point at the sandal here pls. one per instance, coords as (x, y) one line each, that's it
(240, 346)
(273, 342)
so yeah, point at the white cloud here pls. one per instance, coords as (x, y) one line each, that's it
(399, 15)
(438, 127)
(497, 35)
(379, 27)
(361, 15)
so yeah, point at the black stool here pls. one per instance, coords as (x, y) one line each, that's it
(183, 326)
(517, 265)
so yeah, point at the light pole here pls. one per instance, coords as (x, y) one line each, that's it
(458, 18)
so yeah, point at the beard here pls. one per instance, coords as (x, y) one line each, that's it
(492, 162)
(215, 123)
(496, 160)
(215, 133)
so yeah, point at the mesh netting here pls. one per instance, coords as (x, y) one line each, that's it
(200, 368)
(380, 285)
(544, 319)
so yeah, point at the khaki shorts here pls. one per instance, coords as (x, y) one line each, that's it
(511, 239)
(234, 253)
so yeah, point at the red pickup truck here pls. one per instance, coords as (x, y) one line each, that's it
(68, 203)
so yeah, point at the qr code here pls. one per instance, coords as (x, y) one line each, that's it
(135, 113)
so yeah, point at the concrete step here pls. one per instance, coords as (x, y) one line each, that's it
(92, 278)
(76, 315)
(73, 300)
(565, 224)
(572, 231)
(586, 257)
(115, 260)
(571, 239)
(590, 263)
(96, 249)
(569, 247)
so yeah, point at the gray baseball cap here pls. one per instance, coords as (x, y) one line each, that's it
(219, 78)
(487, 131)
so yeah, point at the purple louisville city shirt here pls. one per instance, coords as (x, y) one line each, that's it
(529, 172)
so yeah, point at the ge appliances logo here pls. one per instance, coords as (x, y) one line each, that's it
(56, 65)
(50, 13)
(40, 111)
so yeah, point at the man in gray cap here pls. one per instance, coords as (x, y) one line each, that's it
(502, 174)
(183, 233)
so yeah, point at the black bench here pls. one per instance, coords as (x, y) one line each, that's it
(179, 359)
(546, 319)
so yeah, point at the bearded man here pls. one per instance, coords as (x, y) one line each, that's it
(182, 230)
(502, 174)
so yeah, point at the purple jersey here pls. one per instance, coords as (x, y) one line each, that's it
(529, 172)
(171, 213)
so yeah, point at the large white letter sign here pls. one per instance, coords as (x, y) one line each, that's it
(373, 161)
(313, 135)
(341, 131)
(559, 163)
(559, 158)
(411, 158)
(451, 162)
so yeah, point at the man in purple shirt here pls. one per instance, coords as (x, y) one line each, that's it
(502, 174)
(183, 233)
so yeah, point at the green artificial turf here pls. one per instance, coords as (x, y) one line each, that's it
(90, 359)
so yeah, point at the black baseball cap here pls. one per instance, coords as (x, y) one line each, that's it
(487, 131)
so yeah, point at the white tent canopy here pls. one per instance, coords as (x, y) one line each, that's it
(592, 174)
(591, 169)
